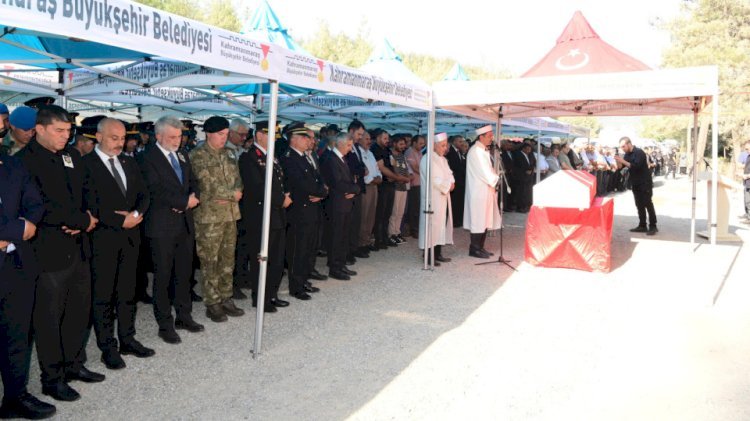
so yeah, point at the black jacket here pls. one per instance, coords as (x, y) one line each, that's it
(340, 183)
(253, 172)
(457, 165)
(59, 177)
(167, 194)
(103, 197)
(302, 181)
(19, 197)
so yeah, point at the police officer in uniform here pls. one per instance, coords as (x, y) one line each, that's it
(253, 172)
(21, 209)
(215, 167)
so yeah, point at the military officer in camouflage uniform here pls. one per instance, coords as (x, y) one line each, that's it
(218, 176)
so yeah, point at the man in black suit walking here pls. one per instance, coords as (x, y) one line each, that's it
(63, 295)
(21, 209)
(170, 228)
(339, 205)
(115, 193)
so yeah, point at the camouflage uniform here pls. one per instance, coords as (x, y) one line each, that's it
(215, 223)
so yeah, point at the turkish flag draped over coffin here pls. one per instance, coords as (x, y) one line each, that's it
(571, 238)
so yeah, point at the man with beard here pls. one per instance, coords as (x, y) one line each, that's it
(116, 194)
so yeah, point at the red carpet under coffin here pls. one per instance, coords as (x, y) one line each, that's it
(571, 238)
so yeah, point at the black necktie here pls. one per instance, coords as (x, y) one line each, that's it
(118, 177)
(359, 153)
(311, 161)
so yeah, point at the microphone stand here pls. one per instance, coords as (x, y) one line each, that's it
(503, 184)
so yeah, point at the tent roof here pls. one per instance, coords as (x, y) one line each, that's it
(456, 73)
(580, 50)
(385, 62)
(264, 25)
(654, 92)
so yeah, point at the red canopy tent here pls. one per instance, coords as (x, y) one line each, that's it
(580, 50)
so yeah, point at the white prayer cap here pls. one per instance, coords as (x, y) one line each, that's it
(441, 137)
(482, 130)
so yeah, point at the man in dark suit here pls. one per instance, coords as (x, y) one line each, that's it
(253, 172)
(339, 205)
(457, 163)
(170, 228)
(21, 209)
(508, 194)
(63, 295)
(306, 189)
(354, 160)
(115, 193)
(524, 164)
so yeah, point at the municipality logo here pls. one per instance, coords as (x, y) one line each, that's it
(264, 63)
(321, 64)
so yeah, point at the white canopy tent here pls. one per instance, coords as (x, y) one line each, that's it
(637, 93)
(76, 39)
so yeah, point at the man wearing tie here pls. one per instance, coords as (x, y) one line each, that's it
(342, 189)
(457, 163)
(358, 169)
(21, 209)
(115, 193)
(170, 228)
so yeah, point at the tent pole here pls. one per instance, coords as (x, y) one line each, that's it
(714, 166)
(429, 258)
(263, 256)
(694, 142)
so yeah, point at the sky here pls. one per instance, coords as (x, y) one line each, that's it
(496, 34)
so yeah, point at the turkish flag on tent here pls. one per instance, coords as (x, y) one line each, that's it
(579, 50)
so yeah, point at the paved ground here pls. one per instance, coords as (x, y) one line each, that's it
(663, 336)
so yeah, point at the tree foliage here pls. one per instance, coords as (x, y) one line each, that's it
(592, 123)
(222, 13)
(714, 32)
(187, 8)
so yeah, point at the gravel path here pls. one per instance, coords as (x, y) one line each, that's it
(663, 336)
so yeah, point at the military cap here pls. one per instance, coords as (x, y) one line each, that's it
(37, 102)
(297, 128)
(215, 124)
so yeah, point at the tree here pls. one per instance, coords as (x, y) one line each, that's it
(717, 32)
(186, 8)
(339, 48)
(221, 13)
(591, 123)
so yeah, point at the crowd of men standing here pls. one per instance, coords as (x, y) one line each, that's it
(87, 211)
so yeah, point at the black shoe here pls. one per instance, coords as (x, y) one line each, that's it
(362, 254)
(301, 296)
(479, 254)
(337, 274)
(314, 274)
(279, 303)
(652, 231)
(85, 375)
(169, 336)
(489, 253)
(269, 308)
(391, 243)
(310, 288)
(442, 259)
(216, 313)
(112, 359)
(436, 263)
(61, 392)
(237, 294)
(400, 239)
(145, 299)
(373, 247)
(26, 406)
(347, 271)
(639, 228)
(188, 324)
(322, 253)
(137, 349)
(350, 260)
(195, 297)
